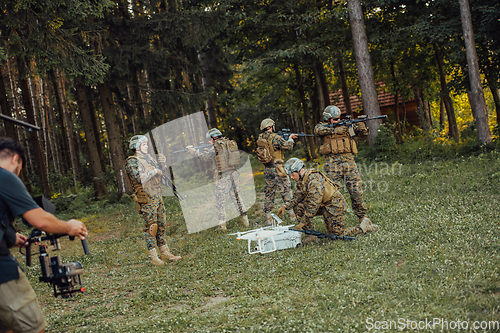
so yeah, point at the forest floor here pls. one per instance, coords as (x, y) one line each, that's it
(432, 266)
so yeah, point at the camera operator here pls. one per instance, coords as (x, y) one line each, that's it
(19, 308)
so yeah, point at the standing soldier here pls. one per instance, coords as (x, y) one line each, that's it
(225, 159)
(316, 194)
(145, 176)
(270, 148)
(339, 149)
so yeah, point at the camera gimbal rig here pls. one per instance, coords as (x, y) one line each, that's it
(65, 278)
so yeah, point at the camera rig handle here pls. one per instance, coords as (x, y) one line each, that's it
(36, 237)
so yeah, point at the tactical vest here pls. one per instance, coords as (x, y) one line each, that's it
(277, 154)
(152, 186)
(338, 144)
(330, 187)
(227, 155)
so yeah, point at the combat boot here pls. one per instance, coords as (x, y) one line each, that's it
(244, 218)
(291, 213)
(222, 226)
(367, 226)
(166, 255)
(269, 219)
(154, 258)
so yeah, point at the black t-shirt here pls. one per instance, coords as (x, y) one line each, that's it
(14, 201)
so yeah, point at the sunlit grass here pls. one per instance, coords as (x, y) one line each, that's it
(435, 256)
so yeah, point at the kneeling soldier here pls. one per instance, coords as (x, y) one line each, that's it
(145, 177)
(316, 195)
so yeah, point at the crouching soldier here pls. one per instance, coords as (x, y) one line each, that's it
(145, 177)
(316, 195)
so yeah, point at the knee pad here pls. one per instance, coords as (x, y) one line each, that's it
(152, 229)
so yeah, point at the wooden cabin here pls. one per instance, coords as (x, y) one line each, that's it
(386, 103)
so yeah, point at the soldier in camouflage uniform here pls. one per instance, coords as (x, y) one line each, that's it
(226, 180)
(145, 177)
(339, 149)
(316, 195)
(275, 177)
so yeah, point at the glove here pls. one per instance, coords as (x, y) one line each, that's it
(340, 130)
(162, 158)
(281, 211)
(191, 150)
(361, 127)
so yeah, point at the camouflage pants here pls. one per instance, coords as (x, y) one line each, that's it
(154, 212)
(333, 216)
(343, 167)
(274, 182)
(228, 182)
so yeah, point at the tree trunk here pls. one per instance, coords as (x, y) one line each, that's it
(496, 99)
(30, 115)
(399, 135)
(424, 124)
(363, 62)
(53, 139)
(427, 110)
(114, 138)
(345, 90)
(4, 106)
(445, 97)
(207, 85)
(324, 83)
(46, 126)
(478, 103)
(305, 109)
(66, 120)
(319, 89)
(442, 117)
(90, 137)
(96, 123)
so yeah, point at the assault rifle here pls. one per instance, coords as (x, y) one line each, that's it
(322, 235)
(285, 134)
(198, 148)
(164, 178)
(349, 122)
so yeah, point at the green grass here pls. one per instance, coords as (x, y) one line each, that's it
(436, 255)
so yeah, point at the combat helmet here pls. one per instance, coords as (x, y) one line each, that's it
(293, 165)
(136, 141)
(213, 133)
(331, 111)
(266, 123)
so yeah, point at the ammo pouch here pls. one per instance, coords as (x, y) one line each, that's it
(325, 149)
(338, 144)
(330, 187)
(280, 168)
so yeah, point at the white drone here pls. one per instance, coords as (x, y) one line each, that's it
(272, 238)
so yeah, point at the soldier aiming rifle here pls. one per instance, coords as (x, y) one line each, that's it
(339, 148)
